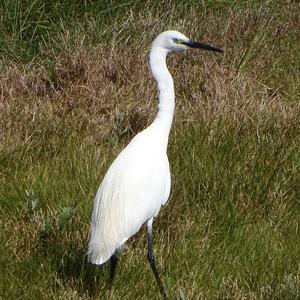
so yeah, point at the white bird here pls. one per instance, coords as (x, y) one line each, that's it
(138, 182)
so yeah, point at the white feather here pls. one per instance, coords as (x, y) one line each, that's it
(132, 191)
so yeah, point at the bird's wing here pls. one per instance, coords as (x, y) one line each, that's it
(132, 191)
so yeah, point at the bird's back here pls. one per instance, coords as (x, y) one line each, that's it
(132, 191)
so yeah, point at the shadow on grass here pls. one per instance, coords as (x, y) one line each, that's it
(74, 269)
(70, 261)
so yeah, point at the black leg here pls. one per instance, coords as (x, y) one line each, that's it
(113, 265)
(152, 260)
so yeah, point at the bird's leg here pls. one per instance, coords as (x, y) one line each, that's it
(152, 260)
(113, 265)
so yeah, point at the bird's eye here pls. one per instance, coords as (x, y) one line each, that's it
(176, 41)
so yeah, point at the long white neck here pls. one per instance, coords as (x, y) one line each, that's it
(165, 85)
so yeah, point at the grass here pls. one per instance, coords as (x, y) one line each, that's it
(75, 88)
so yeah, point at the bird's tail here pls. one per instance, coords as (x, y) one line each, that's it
(98, 253)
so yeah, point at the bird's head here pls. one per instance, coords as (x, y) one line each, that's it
(173, 41)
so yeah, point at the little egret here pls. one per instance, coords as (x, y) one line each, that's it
(138, 182)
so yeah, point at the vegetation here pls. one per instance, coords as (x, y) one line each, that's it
(75, 88)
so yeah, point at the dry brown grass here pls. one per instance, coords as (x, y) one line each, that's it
(94, 85)
(96, 82)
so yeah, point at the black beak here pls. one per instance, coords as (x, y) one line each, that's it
(195, 44)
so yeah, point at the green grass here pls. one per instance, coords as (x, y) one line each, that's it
(75, 88)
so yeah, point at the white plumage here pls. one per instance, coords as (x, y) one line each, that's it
(138, 182)
(132, 192)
